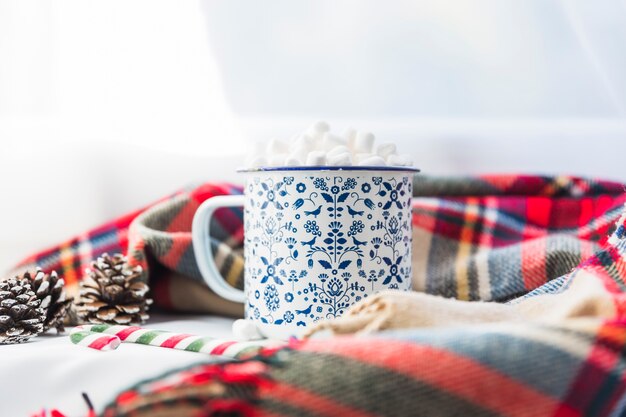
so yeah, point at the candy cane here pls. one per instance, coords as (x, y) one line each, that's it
(171, 340)
(96, 341)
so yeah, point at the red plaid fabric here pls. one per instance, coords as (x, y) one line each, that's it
(487, 238)
(158, 238)
(564, 368)
(497, 237)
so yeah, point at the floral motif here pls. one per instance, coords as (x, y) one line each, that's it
(311, 227)
(335, 226)
(393, 238)
(308, 239)
(349, 184)
(320, 183)
(334, 287)
(393, 226)
(394, 270)
(288, 316)
(290, 242)
(271, 194)
(271, 226)
(334, 293)
(271, 297)
(270, 270)
(293, 276)
(373, 275)
(394, 194)
(356, 228)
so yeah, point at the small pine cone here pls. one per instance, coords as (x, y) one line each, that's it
(50, 289)
(113, 293)
(21, 316)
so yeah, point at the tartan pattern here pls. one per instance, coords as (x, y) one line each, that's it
(480, 238)
(162, 234)
(576, 367)
(158, 238)
(488, 238)
(498, 237)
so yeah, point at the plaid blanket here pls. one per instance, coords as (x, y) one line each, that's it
(493, 238)
(158, 238)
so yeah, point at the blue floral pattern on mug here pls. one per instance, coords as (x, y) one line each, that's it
(316, 244)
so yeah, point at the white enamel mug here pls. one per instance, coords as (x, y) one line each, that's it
(316, 241)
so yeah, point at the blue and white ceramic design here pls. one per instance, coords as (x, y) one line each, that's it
(318, 241)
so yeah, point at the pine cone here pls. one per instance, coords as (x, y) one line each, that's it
(21, 316)
(113, 293)
(50, 289)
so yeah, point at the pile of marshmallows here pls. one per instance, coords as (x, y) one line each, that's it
(320, 147)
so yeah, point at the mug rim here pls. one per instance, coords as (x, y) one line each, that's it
(330, 168)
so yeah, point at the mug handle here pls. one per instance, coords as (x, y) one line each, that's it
(202, 246)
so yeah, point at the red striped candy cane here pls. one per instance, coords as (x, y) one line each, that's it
(172, 340)
(96, 341)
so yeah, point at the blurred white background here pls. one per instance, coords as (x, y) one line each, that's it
(108, 105)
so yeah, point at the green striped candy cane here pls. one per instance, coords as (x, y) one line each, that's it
(108, 337)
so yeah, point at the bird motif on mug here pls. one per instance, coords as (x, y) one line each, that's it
(305, 311)
(353, 212)
(310, 242)
(325, 253)
(314, 213)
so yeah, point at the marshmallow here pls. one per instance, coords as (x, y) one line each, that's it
(319, 147)
(246, 330)
(300, 153)
(349, 135)
(303, 142)
(373, 161)
(316, 158)
(399, 160)
(337, 150)
(364, 142)
(361, 156)
(257, 162)
(330, 141)
(318, 129)
(277, 159)
(341, 159)
(275, 146)
(293, 161)
(386, 149)
(296, 157)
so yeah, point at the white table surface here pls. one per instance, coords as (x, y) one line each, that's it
(49, 371)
